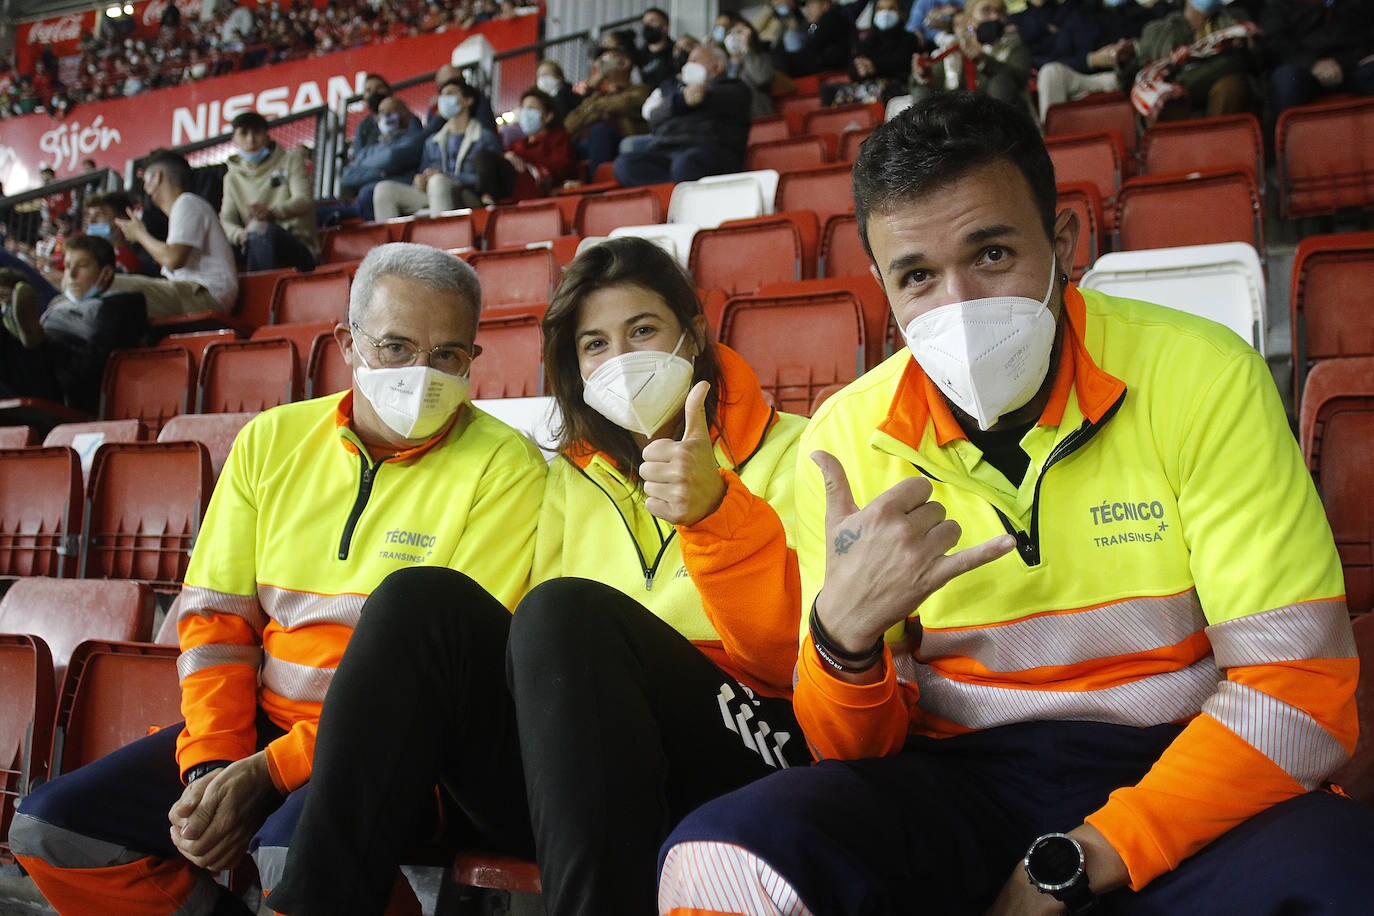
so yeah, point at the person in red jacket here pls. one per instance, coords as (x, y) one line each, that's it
(543, 158)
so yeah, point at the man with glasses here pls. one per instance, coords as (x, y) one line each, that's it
(318, 502)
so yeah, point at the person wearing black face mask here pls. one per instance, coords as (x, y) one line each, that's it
(375, 88)
(1003, 62)
(654, 55)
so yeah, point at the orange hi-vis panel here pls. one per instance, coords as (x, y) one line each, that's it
(1173, 564)
(302, 526)
(729, 583)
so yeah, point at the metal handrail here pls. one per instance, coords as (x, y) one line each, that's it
(106, 178)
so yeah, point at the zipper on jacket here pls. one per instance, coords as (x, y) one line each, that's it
(1028, 542)
(369, 475)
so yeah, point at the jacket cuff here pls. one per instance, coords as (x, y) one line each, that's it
(733, 513)
(288, 763)
(1144, 860)
(840, 693)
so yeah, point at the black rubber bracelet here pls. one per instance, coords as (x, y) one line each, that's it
(204, 769)
(836, 657)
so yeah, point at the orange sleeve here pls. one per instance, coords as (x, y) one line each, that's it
(749, 584)
(290, 758)
(847, 721)
(219, 686)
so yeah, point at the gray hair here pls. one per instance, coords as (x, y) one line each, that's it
(718, 53)
(429, 266)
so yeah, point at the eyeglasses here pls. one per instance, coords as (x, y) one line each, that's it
(397, 353)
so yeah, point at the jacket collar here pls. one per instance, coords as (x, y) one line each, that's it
(343, 422)
(918, 402)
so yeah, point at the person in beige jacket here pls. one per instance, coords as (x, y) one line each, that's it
(268, 210)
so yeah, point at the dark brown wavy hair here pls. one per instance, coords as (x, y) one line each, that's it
(616, 262)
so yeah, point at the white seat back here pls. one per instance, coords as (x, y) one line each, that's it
(710, 201)
(535, 417)
(674, 238)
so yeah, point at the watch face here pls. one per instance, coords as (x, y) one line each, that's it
(1054, 861)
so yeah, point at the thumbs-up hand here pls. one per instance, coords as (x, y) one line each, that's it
(682, 482)
(883, 560)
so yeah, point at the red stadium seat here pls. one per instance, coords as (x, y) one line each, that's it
(1328, 303)
(215, 431)
(496, 872)
(1357, 776)
(512, 360)
(1180, 147)
(352, 243)
(17, 436)
(842, 251)
(255, 295)
(315, 298)
(196, 342)
(41, 502)
(742, 257)
(798, 345)
(1099, 111)
(148, 385)
(515, 276)
(871, 299)
(840, 119)
(248, 375)
(793, 108)
(115, 693)
(825, 189)
(1325, 157)
(521, 224)
(850, 141)
(785, 155)
(447, 232)
(1096, 158)
(65, 612)
(769, 127)
(1199, 209)
(1336, 429)
(147, 500)
(1083, 198)
(26, 719)
(327, 372)
(598, 214)
(108, 430)
(302, 335)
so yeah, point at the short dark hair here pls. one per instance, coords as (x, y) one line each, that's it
(658, 10)
(173, 165)
(624, 261)
(941, 139)
(98, 248)
(546, 102)
(248, 120)
(377, 76)
(463, 85)
(121, 202)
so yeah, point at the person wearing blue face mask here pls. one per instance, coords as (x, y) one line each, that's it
(268, 210)
(394, 156)
(882, 60)
(462, 164)
(543, 157)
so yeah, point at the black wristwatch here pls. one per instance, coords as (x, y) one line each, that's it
(204, 769)
(1055, 865)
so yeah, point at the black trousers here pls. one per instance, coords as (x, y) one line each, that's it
(625, 728)
(419, 700)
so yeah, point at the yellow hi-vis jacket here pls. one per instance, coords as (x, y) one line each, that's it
(303, 525)
(1174, 565)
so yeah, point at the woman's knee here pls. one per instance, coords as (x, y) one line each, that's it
(563, 616)
(412, 604)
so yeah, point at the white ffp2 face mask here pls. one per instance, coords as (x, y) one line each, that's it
(640, 390)
(988, 356)
(415, 401)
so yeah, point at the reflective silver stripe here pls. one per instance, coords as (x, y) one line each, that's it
(207, 656)
(206, 601)
(721, 877)
(1312, 629)
(1154, 700)
(1285, 734)
(271, 862)
(296, 682)
(1123, 628)
(295, 609)
(63, 848)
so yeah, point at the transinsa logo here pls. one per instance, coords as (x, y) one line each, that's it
(210, 119)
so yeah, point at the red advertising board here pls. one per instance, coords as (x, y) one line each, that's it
(113, 132)
(62, 32)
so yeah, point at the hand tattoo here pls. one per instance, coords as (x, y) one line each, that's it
(846, 539)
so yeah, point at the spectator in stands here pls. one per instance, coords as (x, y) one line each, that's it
(935, 20)
(751, 66)
(1039, 24)
(881, 67)
(1166, 689)
(394, 157)
(1089, 57)
(1318, 48)
(700, 125)
(654, 54)
(778, 20)
(199, 273)
(825, 45)
(101, 212)
(25, 368)
(282, 563)
(542, 159)
(375, 88)
(268, 209)
(725, 20)
(1215, 77)
(240, 27)
(609, 110)
(72, 338)
(550, 80)
(462, 165)
(619, 678)
(1003, 62)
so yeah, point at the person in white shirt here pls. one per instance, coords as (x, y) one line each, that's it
(199, 273)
